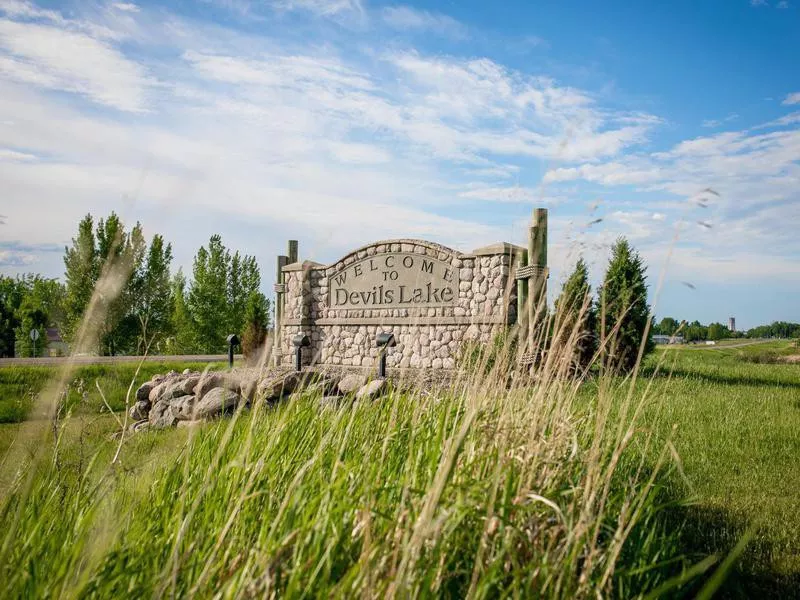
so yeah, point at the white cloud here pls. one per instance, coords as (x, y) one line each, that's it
(406, 18)
(509, 194)
(257, 139)
(126, 7)
(325, 8)
(57, 58)
(757, 3)
(613, 173)
(712, 123)
(792, 99)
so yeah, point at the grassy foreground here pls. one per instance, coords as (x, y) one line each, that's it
(555, 491)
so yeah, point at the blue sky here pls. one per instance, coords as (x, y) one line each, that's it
(339, 122)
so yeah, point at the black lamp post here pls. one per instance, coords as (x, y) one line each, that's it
(233, 340)
(300, 341)
(384, 341)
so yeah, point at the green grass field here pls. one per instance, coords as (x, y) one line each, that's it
(482, 493)
(736, 426)
(19, 385)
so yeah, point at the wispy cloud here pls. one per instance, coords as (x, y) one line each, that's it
(346, 143)
(713, 123)
(324, 8)
(59, 56)
(791, 99)
(406, 18)
(126, 7)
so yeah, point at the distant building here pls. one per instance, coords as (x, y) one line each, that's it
(732, 324)
(55, 345)
(668, 339)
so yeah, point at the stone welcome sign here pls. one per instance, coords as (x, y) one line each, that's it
(394, 279)
(432, 298)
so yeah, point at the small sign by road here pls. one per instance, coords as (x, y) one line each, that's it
(34, 334)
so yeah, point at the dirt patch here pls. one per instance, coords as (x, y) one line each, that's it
(792, 359)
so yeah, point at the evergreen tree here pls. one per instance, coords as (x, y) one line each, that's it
(624, 311)
(576, 318)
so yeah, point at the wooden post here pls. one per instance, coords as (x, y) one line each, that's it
(537, 258)
(280, 297)
(280, 294)
(521, 260)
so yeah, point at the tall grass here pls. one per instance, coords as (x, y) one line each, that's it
(497, 486)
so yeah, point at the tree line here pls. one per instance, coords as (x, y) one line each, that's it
(140, 304)
(696, 331)
(145, 307)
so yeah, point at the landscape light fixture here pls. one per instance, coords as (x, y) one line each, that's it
(384, 341)
(233, 340)
(300, 341)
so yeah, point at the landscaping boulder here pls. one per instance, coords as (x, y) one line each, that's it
(248, 387)
(161, 415)
(158, 390)
(183, 407)
(371, 390)
(143, 393)
(351, 383)
(209, 381)
(142, 425)
(182, 387)
(140, 410)
(275, 388)
(215, 402)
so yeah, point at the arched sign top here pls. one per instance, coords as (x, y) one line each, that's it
(431, 249)
(395, 274)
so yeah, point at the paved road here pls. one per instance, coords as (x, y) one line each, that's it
(105, 360)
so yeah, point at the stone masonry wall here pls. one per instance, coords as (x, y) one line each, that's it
(481, 301)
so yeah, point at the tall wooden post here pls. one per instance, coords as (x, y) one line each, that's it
(280, 292)
(520, 261)
(537, 258)
(532, 286)
(280, 297)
